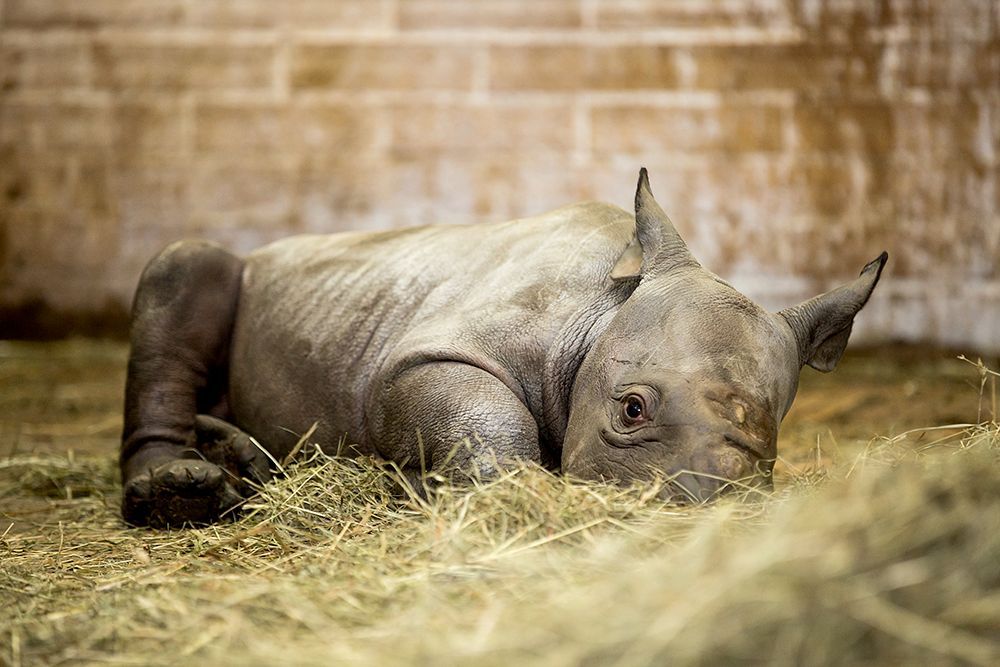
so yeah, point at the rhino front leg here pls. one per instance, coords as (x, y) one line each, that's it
(452, 416)
(182, 321)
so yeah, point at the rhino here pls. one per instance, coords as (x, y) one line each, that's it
(587, 339)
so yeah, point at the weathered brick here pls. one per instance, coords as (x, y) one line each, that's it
(530, 184)
(943, 65)
(241, 233)
(37, 249)
(971, 237)
(341, 130)
(436, 188)
(69, 244)
(465, 128)
(92, 205)
(154, 203)
(55, 125)
(52, 254)
(322, 14)
(382, 67)
(171, 66)
(302, 127)
(827, 125)
(30, 179)
(963, 20)
(986, 61)
(786, 139)
(240, 128)
(836, 18)
(495, 14)
(43, 64)
(313, 14)
(943, 128)
(235, 187)
(71, 187)
(645, 129)
(647, 14)
(576, 67)
(338, 192)
(92, 13)
(149, 132)
(807, 68)
(448, 188)
(822, 184)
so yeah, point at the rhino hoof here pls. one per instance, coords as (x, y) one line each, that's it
(182, 491)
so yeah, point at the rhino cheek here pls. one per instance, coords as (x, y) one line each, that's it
(577, 453)
(596, 460)
(587, 456)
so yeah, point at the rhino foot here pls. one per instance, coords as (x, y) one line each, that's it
(181, 491)
(234, 451)
(202, 490)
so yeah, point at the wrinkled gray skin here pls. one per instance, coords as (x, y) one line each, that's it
(584, 338)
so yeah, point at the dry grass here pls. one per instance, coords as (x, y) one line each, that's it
(889, 558)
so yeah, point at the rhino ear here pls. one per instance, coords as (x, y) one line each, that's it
(823, 324)
(657, 247)
(629, 265)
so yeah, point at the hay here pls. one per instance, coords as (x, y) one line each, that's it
(892, 558)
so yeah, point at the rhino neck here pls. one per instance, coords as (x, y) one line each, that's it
(573, 343)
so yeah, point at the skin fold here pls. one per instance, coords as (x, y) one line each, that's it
(587, 339)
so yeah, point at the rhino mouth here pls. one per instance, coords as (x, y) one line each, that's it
(693, 487)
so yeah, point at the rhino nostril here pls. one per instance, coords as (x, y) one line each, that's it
(735, 463)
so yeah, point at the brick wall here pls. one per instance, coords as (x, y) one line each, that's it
(791, 140)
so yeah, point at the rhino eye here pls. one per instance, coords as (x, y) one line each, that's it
(633, 409)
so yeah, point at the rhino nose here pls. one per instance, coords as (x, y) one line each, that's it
(720, 471)
(695, 487)
(731, 464)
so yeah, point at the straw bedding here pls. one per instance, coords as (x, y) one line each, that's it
(892, 557)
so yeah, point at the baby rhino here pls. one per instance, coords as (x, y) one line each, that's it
(586, 339)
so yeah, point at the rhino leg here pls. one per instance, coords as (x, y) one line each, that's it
(451, 416)
(177, 467)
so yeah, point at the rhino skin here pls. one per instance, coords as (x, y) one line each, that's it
(586, 339)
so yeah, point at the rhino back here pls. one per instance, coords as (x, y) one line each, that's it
(323, 318)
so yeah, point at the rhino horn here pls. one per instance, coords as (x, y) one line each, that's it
(657, 247)
(823, 324)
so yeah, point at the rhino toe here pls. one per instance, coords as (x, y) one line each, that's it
(182, 491)
(233, 450)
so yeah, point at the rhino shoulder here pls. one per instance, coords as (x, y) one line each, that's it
(596, 212)
(592, 223)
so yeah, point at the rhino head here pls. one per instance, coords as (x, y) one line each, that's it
(691, 378)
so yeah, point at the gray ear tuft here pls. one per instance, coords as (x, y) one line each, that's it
(661, 246)
(823, 324)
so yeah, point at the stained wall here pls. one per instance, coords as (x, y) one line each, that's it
(790, 140)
